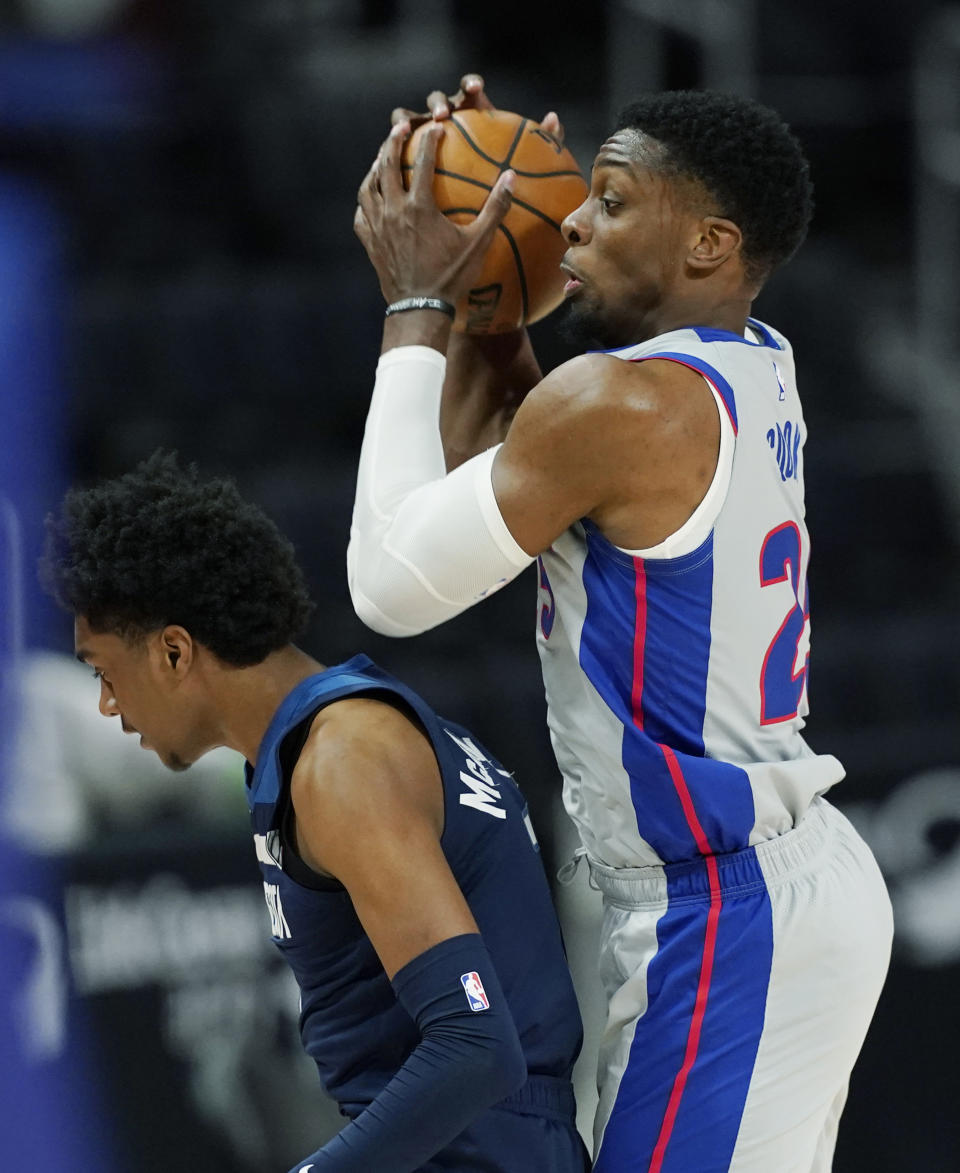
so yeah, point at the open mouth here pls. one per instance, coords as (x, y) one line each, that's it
(573, 281)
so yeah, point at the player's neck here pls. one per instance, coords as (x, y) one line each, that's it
(248, 698)
(729, 314)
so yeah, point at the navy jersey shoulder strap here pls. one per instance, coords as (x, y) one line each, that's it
(355, 676)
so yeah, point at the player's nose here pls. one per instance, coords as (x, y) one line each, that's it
(108, 702)
(574, 227)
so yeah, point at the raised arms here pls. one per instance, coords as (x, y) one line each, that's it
(439, 521)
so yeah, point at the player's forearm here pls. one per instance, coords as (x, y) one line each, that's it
(486, 381)
(469, 1058)
(487, 377)
(424, 544)
(399, 1133)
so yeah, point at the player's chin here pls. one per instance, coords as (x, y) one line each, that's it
(173, 761)
(580, 324)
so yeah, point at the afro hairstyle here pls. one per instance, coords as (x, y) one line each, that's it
(159, 546)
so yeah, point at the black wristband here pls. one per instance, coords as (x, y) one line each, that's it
(421, 303)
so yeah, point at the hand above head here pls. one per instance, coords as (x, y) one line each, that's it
(415, 249)
(471, 95)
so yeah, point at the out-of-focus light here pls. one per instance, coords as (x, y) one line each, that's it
(68, 19)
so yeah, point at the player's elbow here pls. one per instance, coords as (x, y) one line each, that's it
(369, 604)
(377, 598)
(488, 1053)
(371, 616)
(501, 1066)
(512, 1064)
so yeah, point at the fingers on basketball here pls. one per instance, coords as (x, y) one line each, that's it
(552, 126)
(402, 114)
(495, 207)
(424, 164)
(391, 154)
(361, 226)
(520, 280)
(472, 93)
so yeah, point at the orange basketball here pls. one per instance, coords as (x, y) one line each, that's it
(521, 281)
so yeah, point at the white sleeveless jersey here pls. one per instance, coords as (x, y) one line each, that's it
(676, 677)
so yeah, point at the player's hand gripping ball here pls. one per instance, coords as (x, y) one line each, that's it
(521, 281)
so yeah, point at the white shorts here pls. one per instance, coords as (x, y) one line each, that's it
(736, 1017)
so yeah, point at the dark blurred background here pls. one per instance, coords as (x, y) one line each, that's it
(178, 269)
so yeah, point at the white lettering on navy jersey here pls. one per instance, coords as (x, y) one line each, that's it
(268, 849)
(530, 830)
(278, 922)
(483, 793)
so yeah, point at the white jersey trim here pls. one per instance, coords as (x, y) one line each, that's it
(693, 533)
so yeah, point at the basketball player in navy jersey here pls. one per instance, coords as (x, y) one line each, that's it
(401, 873)
(658, 481)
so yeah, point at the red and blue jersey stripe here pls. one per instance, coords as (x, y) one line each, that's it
(645, 646)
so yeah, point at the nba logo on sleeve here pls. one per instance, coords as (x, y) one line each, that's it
(476, 994)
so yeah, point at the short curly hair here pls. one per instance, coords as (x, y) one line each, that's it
(744, 155)
(159, 546)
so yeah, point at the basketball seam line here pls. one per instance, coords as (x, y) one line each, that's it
(520, 273)
(513, 146)
(488, 188)
(544, 174)
(524, 297)
(482, 154)
(524, 174)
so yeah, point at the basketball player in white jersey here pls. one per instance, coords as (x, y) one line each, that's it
(658, 479)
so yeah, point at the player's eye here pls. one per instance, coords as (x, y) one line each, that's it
(609, 204)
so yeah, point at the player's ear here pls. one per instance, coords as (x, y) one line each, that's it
(176, 649)
(716, 241)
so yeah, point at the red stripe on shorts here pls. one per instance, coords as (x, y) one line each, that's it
(706, 962)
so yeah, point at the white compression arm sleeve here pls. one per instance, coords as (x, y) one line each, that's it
(424, 544)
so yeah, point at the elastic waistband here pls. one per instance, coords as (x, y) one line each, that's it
(548, 1096)
(742, 872)
(543, 1095)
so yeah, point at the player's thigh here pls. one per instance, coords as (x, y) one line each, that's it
(684, 1025)
(629, 944)
(737, 1057)
(832, 934)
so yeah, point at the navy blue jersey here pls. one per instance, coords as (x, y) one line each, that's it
(351, 1022)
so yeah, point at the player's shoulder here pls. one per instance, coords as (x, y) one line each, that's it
(609, 389)
(360, 727)
(366, 778)
(361, 738)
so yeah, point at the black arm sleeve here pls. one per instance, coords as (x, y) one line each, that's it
(469, 1057)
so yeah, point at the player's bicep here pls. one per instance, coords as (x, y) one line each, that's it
(554, 467)
(367, 814)
(409, 901)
